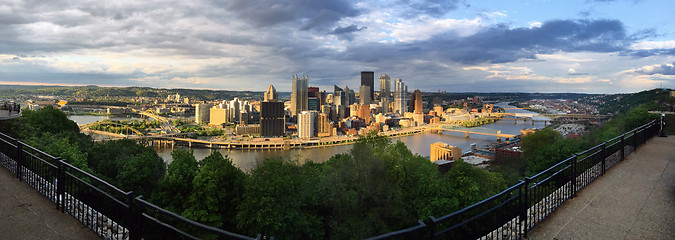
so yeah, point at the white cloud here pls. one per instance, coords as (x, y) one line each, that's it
(407, 31)
(649, 45)
(534, 24)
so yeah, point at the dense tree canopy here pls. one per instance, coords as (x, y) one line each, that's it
(216, 192)
(128, 165)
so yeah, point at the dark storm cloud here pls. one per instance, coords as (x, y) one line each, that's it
(349, 29)
(501, 43)
(309, 13)
(346, 33)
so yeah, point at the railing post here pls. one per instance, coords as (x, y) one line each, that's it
(19, 159)
(635, 132)
(603, 155)
(60, 183)
(136, 214)
(623, 147)
(432, 227)
(524, 206)
(573, 175)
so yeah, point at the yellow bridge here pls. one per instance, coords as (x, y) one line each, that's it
(468, 131)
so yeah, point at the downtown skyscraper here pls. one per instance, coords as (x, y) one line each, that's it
(368, 79)
(400, 96)
(385, 92)
(299, 95)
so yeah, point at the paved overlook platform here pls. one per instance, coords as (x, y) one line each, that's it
(635, 199)
(26, 214)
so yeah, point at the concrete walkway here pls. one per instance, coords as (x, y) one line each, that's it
(635, 199)
(26, 214)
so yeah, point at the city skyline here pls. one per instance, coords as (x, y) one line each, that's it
(583, 46)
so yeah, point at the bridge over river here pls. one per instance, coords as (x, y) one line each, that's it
(468, 131)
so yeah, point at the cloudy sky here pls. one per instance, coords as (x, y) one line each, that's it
(592, 46)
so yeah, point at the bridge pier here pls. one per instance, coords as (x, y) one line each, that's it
(515, 121)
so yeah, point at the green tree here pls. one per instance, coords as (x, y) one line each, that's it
(532, 143)
(45, 120)
(176, 187)
(281, 199)
(128, 165)
(471, 184)
(216, 192)
(71, 146)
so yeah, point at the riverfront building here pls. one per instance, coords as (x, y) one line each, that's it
(306, 124)
(323, 126)
(272, 119)
(444, 151)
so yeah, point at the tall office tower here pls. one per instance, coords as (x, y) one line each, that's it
(350, 96)
(270, 94)
(203, 113)
(364, 95)
(323, 126)
(338, 96)
(400, 97)
(299, 94)
(326, 109)
(235, 110)
(368, 79)
(306, 123)
(272, 122)
(322, 97)
(417, 100)
(385, 87)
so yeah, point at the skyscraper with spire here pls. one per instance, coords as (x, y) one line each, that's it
(299, 94)
(270, 94)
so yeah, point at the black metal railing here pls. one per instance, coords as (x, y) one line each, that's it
(115, 214)
(105, 209)
(513, 212)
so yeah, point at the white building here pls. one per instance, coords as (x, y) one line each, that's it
(306, 123)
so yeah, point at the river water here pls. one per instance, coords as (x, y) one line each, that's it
(417, 143)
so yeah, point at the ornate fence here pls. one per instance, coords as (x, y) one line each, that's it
(105, 209)
(114, 214)
(513, 212)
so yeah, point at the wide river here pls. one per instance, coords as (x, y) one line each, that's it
(417, 143)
